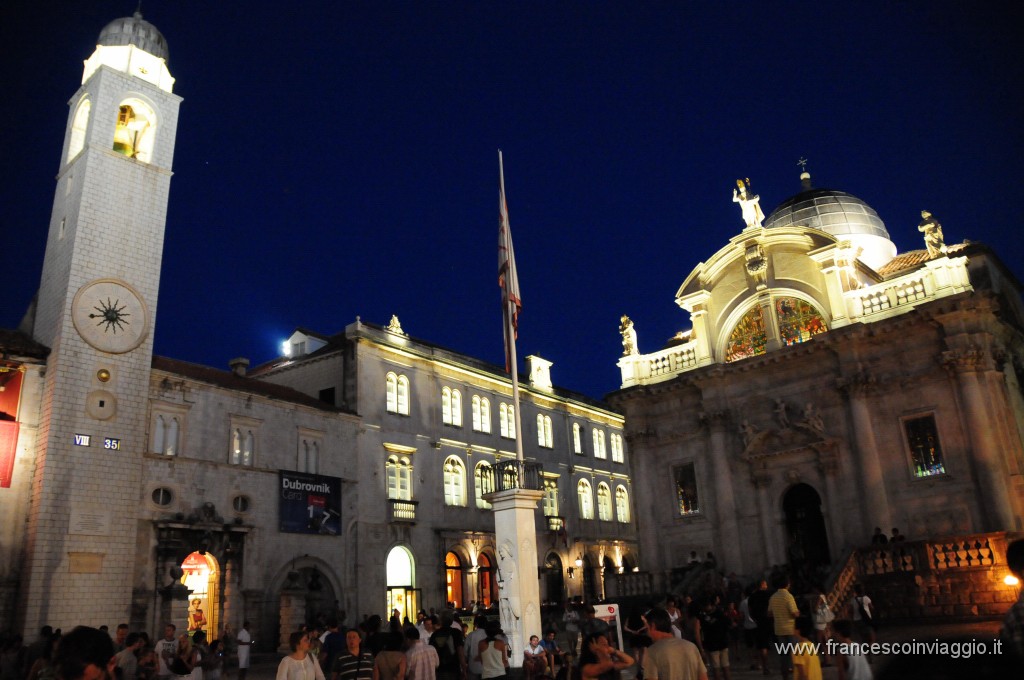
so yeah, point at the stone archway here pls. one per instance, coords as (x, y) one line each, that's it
(554, 581)
(807, 538)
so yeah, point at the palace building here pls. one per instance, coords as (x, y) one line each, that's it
(346, 476)
(828, 385)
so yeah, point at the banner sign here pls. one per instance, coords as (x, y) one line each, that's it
(309, 504)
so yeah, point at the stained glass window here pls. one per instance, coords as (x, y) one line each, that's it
(925, 452)
(748, 338)
(798, 321)
(686, 490)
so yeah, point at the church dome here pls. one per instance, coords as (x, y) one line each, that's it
(834, 212)
(134, 30)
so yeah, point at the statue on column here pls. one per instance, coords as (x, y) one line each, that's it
(750, 203)
(629, 344)
(932, 231)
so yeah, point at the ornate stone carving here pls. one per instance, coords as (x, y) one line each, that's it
(858, 384)
(812, 419)
(714, 419)
(749, 203)
(757, 265)
(967, 360)
(780, 414)
(748, 431)
(629, 342)
(932, 230)
(395, 326)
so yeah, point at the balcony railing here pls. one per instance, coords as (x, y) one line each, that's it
(512, 474)
(555, 523)
(401, 511)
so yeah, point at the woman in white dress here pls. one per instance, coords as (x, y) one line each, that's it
(300, 664)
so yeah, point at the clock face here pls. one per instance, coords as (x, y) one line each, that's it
(110, 315)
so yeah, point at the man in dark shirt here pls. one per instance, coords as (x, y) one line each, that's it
(352, 663)
(714, 631)
(334, 644)
(757, 603)
(451, 647)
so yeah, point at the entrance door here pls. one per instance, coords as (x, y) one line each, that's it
(402, 595)
(553, 580)
(405, 600)
(202, 578)
(805, 524)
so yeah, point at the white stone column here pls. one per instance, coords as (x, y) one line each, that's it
(876, 502)
(515, 533)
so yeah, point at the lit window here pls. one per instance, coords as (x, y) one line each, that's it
(454, 482)
(798, 320)
(397, 394)
(550, 497)
(586, 499)
(617, 453)
(456, 408)
(622, 504)
(78, 128)
(483, 483)
(686, 490)
(134, 131)
(599, 450)
(544, 436)
(604, 502)
(243, 445)
(399, 478)
(748, 338)
(507, 421)
(481, 414)
(446, 405)
(577, 438)
(925, 452)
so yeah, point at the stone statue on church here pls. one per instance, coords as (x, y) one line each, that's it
(750, 203)
(781, 415)
(932, 231)
(395, 326)
(812, 418)
(629, 347)
(748, 430)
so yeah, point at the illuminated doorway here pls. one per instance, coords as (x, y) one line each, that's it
(402, 595)
(453, 580)
(202, 578)
(486, 581)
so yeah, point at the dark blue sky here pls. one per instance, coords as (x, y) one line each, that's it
(337, 159)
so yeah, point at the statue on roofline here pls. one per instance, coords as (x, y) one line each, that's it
(750, 203)
(932, 231)
(629, 343)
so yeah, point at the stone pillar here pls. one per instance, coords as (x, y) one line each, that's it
(515, 534)
(857, 388)
(762, 480)
(725, 501)
(828, 466)
(972, 369)
(292, 611)
(230, 597)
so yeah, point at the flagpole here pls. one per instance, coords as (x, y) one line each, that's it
(510, 337)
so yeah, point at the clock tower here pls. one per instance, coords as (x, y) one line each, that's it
(95, 311)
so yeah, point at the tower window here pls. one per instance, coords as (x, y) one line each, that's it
(925, 452)
(134, 132)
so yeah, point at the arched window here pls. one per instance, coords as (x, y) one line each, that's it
(577, 439)
(604, 502)
(483, 482)
(78, 128)
(309, 456)
(456, 408)
(403, 395)
(135, 130)
(507, 421)
(487, 594)
(622, 504)
(550, 497)
(446, 405)
(248, 447)
(159, 434)
(392, 392)
(485, 414)
(544, 432)
(453, 580)
(617, 453)
(586, 497)
(796, 321)
(236, 446)
(454, 482)
(475, 407)
(399, 478)
(599, 450)
(171, 440)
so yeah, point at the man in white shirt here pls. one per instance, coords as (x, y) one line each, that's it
(165, 649)
(244, 646)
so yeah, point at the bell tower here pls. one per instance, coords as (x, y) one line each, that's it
(95, 310)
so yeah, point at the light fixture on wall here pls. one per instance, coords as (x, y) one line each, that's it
(579, 561)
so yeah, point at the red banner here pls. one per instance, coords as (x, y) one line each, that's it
(8, 447)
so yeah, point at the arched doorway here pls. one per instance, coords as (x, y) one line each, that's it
(553, 580)
(485, 581)
(401, 580)
(201, 575)
(805, 526)
(453, 581)
(589, 582)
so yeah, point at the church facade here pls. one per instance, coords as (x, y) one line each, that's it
(345, 478)
(828, 385)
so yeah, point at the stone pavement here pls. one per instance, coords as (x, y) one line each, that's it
(265, 665)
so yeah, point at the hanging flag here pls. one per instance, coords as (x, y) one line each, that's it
(508, 281)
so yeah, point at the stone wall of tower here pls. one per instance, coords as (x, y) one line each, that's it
(107, 222)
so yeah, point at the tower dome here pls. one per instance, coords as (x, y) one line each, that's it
(840, 214)
(134, 30)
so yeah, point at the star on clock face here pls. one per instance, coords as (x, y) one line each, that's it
(112, 316)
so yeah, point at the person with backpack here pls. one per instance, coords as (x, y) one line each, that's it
(451, 647)
(863, 615)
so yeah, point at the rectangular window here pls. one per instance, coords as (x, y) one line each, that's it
(617, 454)
(686, 490)
(550, 497)
(923, 440)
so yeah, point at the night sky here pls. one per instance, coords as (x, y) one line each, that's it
(337, 159)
